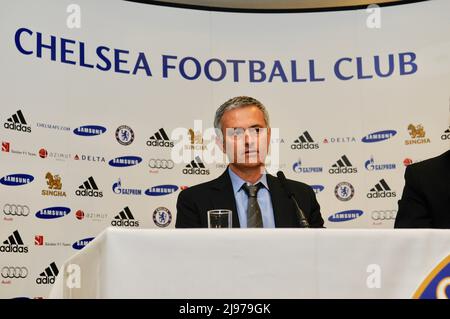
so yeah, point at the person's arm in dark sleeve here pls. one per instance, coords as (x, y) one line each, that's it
(187, 212)
(412, 207)
(315, 218)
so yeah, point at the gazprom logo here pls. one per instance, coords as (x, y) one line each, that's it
(317, 188)
(80, 244)
(378, 136)
(437, 283)
(345, 215)
(89, 130)
(125, 161)
(16, 179)
(53, 212)
(161, 190)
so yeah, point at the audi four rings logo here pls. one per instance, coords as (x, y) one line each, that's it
(160, 163)
(14, 272)
(384, 214)
(16, 210)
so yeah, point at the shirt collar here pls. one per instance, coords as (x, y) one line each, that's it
(237, 182)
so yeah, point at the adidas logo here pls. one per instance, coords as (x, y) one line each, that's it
(343, 166)
(381, 190)
(14, 244)
(48, 275)
(446, 135)
(196, 167)
(125, 219)
(17, 122)
(89, 188)
(160, 139)
(304, 142)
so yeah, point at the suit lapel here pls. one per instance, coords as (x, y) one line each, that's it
(223, 196)
(282, 206)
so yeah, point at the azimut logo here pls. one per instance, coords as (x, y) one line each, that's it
(89, 188)
(161, 190)
(446, 135)
(343, 166)
(437, 284)
(89, 130)
(16, 179)
(370, 165)
(125, 219)
(381, 190)
(378, 136)
(14, 244)
(160, 139)
(17, 122)
(54, 184)
(196, 167)
(53, 212)
(345, 215)
(304, 142)
(47, 277)
(417, 134)
(125, 161)
(118, 189)
(80, 244)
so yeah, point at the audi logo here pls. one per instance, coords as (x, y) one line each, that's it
(14, 272)
(16, 210)
(384, 214)
(160, 163)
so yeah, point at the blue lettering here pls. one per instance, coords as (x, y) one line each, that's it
(294, 72)
(312, 74)
(223, 70)
(17, 40)
(166, 66)
(277, 70)
(107, 66)
(64, 51)
(117, 61)
(198, 68)
(51, 46)
(235, 64)
(403, 63)
(145, 66)
(378, 69)
(260, 70)
(337, 71)
(359, 69)
(82, 63)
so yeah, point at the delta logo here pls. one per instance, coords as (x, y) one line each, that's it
(48, 276)
(196, 167)
(53, 212)
(437, 284)
(378, 136)
(345, 215)
(370, 165)
(14, 244)
(125, 219)
(89, 158)
(16, 179)
(297, 168)
(54, 184)
(304, 142)
(89, 189)
(417, 134)
(161, 190)
(159, 139)
(17, 122)
(89, 130)
(317, 188)
(381, 190)
(80, 244)
(125, 161)
(343, 166)
(446, 135)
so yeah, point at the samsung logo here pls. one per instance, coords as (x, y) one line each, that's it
(378, 136)
(89, 130)
(161, 190)
(53, 212)
(125, 161)
(16, 179)
(345, 215)
(317, 188)
(80, 244)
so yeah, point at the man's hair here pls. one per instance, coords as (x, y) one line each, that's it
(235, 103)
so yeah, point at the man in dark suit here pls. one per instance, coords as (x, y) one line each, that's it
(425, 202)
(256, 198)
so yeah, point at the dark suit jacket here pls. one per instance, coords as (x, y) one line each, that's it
(194, 202)
(425, 202)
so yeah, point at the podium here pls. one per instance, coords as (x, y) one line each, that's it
(254, 264)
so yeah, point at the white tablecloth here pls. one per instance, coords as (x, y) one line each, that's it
(250, 263)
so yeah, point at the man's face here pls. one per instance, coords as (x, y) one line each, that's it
(246, 136)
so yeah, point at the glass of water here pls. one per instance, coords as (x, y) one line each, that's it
(219, 218)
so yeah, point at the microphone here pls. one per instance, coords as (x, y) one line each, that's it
(301, 216)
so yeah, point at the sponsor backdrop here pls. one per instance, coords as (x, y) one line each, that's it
(105, 124)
